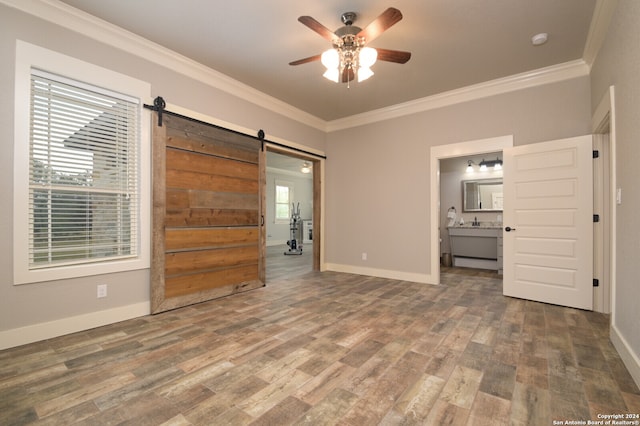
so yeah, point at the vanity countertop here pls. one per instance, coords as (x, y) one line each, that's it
(483, 225)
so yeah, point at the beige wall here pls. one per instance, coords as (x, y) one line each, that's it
(378, 175)
(618, 64)
(32, 304)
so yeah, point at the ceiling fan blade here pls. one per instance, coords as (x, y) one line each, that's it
(389, 55)
(305, 60)
(318, 27)
(348, 75)
(388, 18)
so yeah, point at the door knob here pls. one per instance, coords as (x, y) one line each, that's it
(509, 229)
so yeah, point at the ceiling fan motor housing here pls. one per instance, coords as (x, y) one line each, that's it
(348, 18)
(348, 32)
(348, 43)
(347, 37)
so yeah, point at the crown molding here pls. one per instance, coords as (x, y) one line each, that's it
(73, 19)
(542, 76)
(88, 25)
(602, 15)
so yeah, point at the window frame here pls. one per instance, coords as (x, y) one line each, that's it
(28, 57)
(283, 183)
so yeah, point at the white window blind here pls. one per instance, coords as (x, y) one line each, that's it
(83, 173)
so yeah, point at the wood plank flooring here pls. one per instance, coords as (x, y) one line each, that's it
(329, 348)
(280, 266)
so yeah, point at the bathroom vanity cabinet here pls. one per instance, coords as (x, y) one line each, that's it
(477, 246)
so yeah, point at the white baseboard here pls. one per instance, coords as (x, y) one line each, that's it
(381, 273)
(47, 330)
(276, 243)
(630, 359)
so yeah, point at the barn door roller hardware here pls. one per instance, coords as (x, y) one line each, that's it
(159, 105)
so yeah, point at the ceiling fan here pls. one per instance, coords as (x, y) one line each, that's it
(350, 58)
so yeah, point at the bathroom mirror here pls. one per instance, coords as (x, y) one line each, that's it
(482, 195)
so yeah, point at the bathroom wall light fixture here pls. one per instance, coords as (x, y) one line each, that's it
(470, 167)
(306, 168)
(496, 164)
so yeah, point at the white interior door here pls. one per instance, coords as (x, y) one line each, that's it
(548, 222)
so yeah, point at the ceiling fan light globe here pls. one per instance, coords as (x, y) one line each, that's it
(368, 56)
(306, 168)
(330, 59)
(364, 73)
(332, 74)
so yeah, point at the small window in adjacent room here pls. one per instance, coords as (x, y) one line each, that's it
(284, 198)
(84, 190)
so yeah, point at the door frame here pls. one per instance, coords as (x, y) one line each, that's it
(440, 152)
(603, 123)
(317, 216)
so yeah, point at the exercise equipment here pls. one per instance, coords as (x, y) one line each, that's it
(295, 231)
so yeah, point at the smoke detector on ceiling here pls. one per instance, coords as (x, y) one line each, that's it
(539, 39)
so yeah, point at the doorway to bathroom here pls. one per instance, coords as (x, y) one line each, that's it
(440, 156)
(526, 158)
(471, 202)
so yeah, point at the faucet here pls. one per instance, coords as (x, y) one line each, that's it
(475, 222)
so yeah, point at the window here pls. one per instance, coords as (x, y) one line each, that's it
(83, 199)
(80, 164)
(284, 198)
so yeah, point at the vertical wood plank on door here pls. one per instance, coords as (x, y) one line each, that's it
(317, 216)
(262, 212)
(159, 202)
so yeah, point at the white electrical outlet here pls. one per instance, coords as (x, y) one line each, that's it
(364, 256)
(102, 290)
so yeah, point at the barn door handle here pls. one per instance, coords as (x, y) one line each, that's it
(262, 220)
(509, 229)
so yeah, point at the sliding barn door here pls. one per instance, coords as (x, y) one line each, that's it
(208, 237)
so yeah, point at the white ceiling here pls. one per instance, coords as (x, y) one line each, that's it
(288, 163)
(454, 43)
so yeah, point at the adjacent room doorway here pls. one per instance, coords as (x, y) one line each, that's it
(298, 175)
